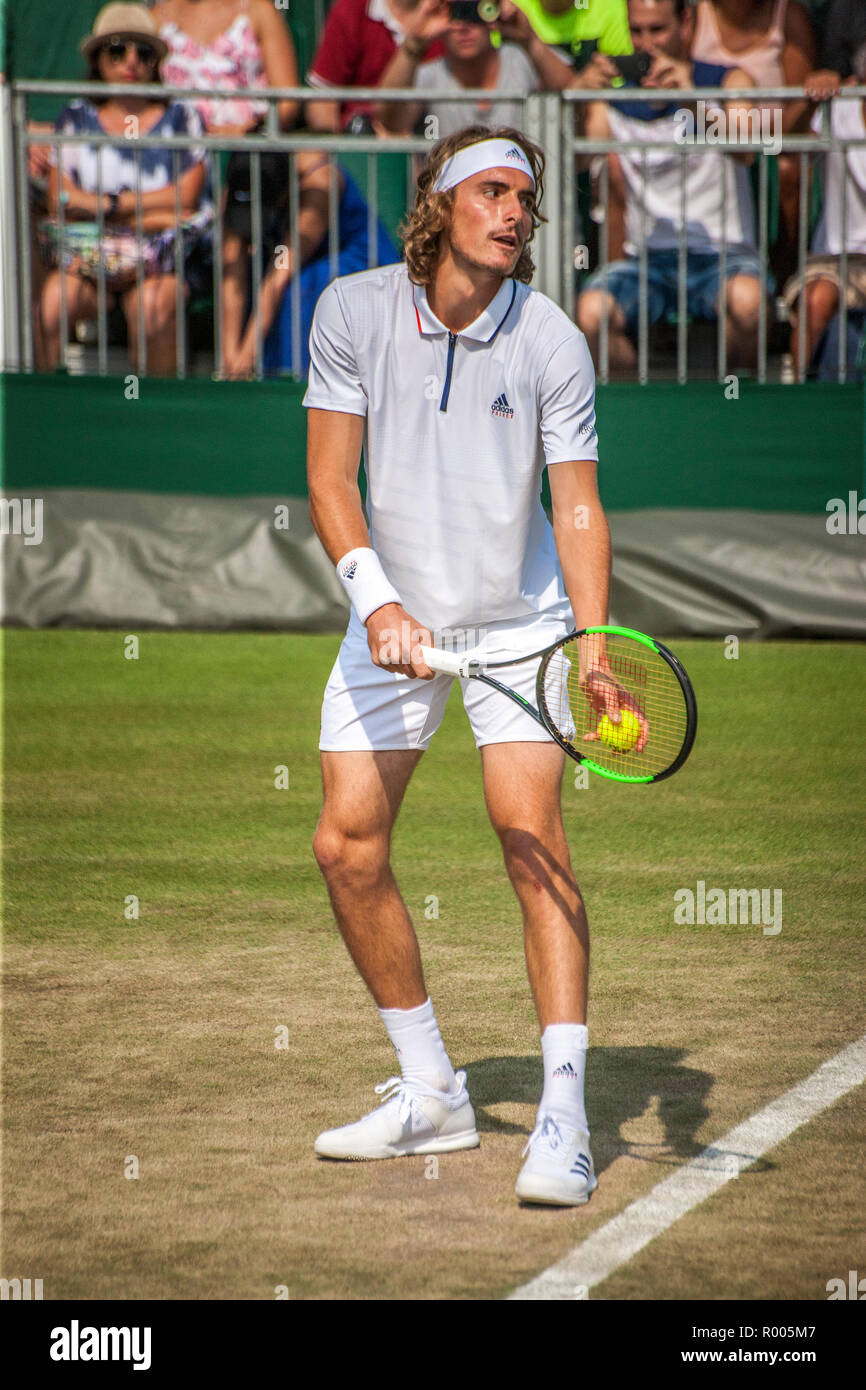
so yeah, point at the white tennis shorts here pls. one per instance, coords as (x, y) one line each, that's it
(367, 708)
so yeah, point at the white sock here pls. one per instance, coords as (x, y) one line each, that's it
(563, 1046)
(419, 1046)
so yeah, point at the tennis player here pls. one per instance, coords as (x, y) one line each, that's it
(461, 384)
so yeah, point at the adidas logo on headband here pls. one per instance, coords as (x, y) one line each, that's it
(475, 158)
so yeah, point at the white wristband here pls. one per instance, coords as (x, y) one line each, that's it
(366, 583)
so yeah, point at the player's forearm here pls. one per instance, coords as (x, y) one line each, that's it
(338, 518)
(333, 451)
(583, 545)
(340, 524)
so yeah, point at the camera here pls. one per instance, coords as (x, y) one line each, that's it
(475, 11)
(633, 66)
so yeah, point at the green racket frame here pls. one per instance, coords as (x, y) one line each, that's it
(543, 717)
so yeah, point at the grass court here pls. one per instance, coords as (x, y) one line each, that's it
(207, 1041)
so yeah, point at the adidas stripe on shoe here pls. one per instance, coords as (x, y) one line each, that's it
(558, 1171)
(411, 1119)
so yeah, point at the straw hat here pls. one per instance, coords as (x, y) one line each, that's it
(123, 22)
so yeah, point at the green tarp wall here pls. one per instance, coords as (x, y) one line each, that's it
(776, 448)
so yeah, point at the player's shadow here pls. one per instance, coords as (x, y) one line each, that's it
(642, 1101)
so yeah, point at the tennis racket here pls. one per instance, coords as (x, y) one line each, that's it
(618, 702)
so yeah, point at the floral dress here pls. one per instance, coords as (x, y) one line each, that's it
(234, 59)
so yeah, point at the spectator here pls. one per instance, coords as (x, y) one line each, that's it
(242, 44)
(823, 275)
(123, 47)
(275, 305)
(844, 33)
(359, 40)
(772, 41)
(663, 29)
(470, 61)
(38, 169)
(600, 25)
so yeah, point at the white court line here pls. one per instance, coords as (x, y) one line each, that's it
(621, 1238)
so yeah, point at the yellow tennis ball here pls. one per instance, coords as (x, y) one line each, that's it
(622, 736)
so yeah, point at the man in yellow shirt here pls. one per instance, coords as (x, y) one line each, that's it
(568, 25)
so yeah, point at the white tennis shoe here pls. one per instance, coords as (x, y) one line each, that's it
(411, 1119)
(558, 1171)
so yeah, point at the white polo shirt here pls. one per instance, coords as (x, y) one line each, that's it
(458, 430)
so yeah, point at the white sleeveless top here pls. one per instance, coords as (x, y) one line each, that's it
(662, 192)
(846, 122)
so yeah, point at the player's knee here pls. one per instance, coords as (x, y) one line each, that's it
(346, 858)
(328, 849)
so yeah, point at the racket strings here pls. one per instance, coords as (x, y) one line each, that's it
(646, 688)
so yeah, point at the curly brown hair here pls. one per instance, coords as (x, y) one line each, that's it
(431, 213)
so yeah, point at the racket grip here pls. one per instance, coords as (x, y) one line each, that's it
(450, 663)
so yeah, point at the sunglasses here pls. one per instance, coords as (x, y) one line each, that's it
(116, 49)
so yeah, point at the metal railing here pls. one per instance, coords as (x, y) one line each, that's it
(272, 139)
(548, 120)
(804, 146)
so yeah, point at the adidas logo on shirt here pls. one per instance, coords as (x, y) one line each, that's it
(567, 1070)
(501, 409)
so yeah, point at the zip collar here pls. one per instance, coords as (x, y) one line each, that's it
(485, 327)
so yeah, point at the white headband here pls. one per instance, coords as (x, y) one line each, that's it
(474, 159)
